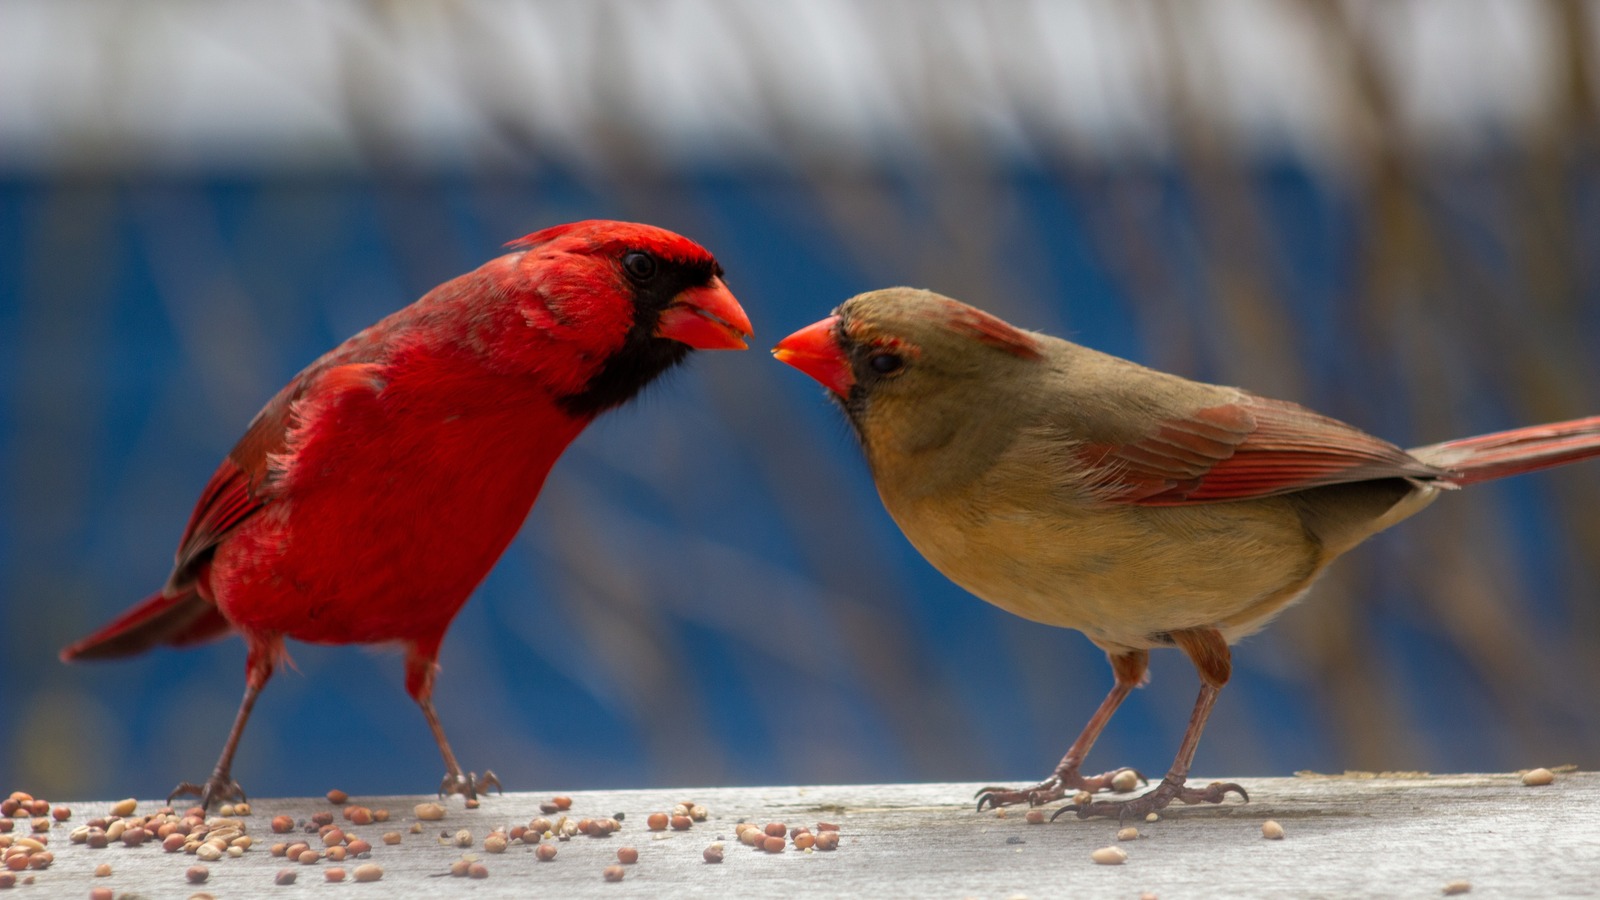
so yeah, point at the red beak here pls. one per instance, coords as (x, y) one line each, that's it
(706, 318)
(815, 351)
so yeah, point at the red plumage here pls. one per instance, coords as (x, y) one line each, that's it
(369, 498)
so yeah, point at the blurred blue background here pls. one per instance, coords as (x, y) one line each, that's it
(1386, 211)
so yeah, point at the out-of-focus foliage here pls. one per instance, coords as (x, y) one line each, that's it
(1385, 211)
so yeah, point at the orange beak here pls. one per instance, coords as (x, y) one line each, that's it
(815, 351)
(706, 318)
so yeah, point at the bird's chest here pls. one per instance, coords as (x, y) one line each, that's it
(393, 509)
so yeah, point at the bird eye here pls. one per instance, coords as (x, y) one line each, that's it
(641, 266)
(886, 363)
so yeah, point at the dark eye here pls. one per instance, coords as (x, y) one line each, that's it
(886, 363)
(640, 266)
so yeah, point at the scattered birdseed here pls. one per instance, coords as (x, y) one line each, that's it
(175, 841)
(1538, 777)
(358, 847)
(1125, 781)
(805, 840)
(102, 893)
(337, 853)
(226, 809)
(416, 827)
(1035, 817)
(495, 843)
(333, 836)
(335, 874)
(102, 870)
(541, 825)
(197, 874)
(124, 807)
(285, 876)
(391, 837)
(1152, 817)
(308, 856)
(1457, 887)
(545, 852)
(7, 880)
(713, 853)
(282, 824)
(549, 808)
(478, 870)
(656, 822)
(776, 829)
(368, 872)
(828, 840)
(562, 803)
(462, 838)
(682, 823)
(61, 813)
(627, 855)
(458, 869)
(429, 812)
(699, 813)
(1109, 856)
(1128, 834)
(1271, 830)
(241, 809)
(337, 797)
(208, 853)
(773, 845)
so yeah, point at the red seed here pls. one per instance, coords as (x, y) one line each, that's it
(546, 852)
(9, 807)
(285, 876)
(713, 853)
(322, 818)
(307, 857)
(380, 815)
(776, 829)
(682, 823)
(656, 822)
(358, 847)
(368, 872)
(562, 802)
(827, 826)
(359, 815)
(478, 870)
(102, 870)
(40, 807)
(391, 837)
(62, 813)
(613, 873)
(336, 796)
(774, 845)
(336, 853)
(333, 874)
(6, 824)
(102, 893)
(804, 840)
(173, 843)
(828, 840)
(1035, 817)
(17, 862)
(41, 824)
(197, 874)
(627, 855)
(331, 836)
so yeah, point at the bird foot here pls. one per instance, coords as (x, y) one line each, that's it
(1053, 788)
(469, 785)
(1167, 791)
(218, 789)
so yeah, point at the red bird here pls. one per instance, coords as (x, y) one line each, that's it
(1081, 490)
(369, 498)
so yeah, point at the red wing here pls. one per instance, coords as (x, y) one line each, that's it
(1251, 448)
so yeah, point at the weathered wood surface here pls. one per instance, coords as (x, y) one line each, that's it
(1345, 837)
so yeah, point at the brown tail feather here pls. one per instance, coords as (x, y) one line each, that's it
(178, 620)
(1490, 456)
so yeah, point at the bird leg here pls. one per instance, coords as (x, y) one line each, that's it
(1130, 670)
(420, 671)
(1209, 652)
(221, 787)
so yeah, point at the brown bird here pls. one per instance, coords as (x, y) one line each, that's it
(1145, 510)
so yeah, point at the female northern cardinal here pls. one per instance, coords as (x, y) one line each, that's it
(1081, 490)
(375, 491)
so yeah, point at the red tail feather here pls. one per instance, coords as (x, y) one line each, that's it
(1490, 456)
(178, 620)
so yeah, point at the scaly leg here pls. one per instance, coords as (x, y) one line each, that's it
(1130, 670)
(1209, 652)
(420, 670)
(220, 786)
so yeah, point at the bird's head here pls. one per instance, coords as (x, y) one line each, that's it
(904, 363)
(630, 299)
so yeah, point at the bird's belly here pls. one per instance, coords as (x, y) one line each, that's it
(1125, 576)
(382, 543)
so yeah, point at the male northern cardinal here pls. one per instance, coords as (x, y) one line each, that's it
(370, 497)
(1081, 490)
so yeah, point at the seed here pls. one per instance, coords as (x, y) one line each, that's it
(391, 837)
(1035, 817)
(549, 808)
(380, 815)
(472, 803)
(827, 826)
(124, 807)
(322, 818)
(613, 873)
(115, 829)
(713, 853)
(627, 855)
(541, 825)
(828, 840)
(285, 876)
(332, 836)
(226, 810)
(358, 847)
(41, 860)
(463, 838)
(1125, 781)
(235, 852)
(656, 822)
(546, 852)
(805, 840)
(1128, 834)
(337, 797)
(1271, 830)
(752, 837)
(243, 841)
(773, 844)
(416, 827)
(458, 869)
(495, 843)
(682, 823)
(368, 872)
(1457, 887)
(1152, 817)
(282, 824)
(294, 850)
(7, 880)
(102, 870)
(17, 862)
(698, 813)
(242, 809)
(478, 870)
(562, 802)
(337, 853)
(102, 893)
(61, 813)
(6, 824)
(1538, 777)
(429, 812)
(1109, 856)
(174, 842)
(333, 874)
(359, 815)
(197, 874)
(308, 856)
(776, 829)
(208, 853)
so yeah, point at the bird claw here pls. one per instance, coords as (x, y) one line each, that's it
(218, 788)
(1052, 789)
(469, 785)
(1158, 799)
